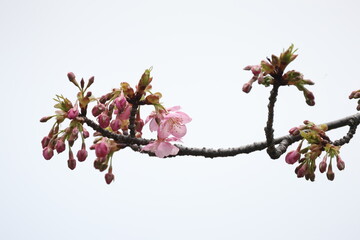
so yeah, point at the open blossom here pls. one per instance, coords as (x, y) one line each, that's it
(169, 122)
(162, 147)
(174, 123)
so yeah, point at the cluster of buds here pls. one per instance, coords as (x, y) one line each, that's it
(117, 112)
(356, 95)
(318, 142)
(271, 72)
(56, 139)
(104, 151)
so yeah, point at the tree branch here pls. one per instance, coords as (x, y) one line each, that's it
(284, 141)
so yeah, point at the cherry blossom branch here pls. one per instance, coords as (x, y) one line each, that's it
(283, 142)
(273, 152)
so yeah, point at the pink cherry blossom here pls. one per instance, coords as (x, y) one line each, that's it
(173, 123)
(162, 147)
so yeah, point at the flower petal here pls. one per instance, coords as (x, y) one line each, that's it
(178, 130)
(165, 149)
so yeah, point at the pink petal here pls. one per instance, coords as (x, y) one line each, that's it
(151, 147)
(153, 125)
(178, 130)
(165, 129)
(173, 109)
(165, 149)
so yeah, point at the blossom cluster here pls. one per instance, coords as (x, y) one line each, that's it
(58, 138)
(318, 142)
(117, 112)
(271, 72)
(166, 122)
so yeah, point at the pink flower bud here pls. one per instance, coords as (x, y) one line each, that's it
(302, 170)
(71, 76)
(101, 149)
(73, 113)
(60, 145)
(340, 163)
(86, 134)
(109, 177)
(294, 131)
(104, 120)
(45, 141)
(292, 157)
(71, 164)
(115, 124)
(45, 119)
(246, 88)
(71, 161)
(120, 103)
(256, 69)
(82, 155)
(330, 174)
(322, 166)
(48, 153)
(98, 109)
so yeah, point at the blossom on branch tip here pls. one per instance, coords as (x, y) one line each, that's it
(162, 147)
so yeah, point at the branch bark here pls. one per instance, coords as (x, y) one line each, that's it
(283, 142)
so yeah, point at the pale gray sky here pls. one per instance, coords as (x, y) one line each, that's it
(197, 50)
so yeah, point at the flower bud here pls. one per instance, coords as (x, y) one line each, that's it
(72, 78)
(73, 113)
(323, 165)
(104, 120)
(120, 102)
(340, 163)
(46, 118)
(301, 171)
(109, 177)
(292, 157)
(294, 131)
(115, 124)
(85, 133)
(246, 88)
(101, 149)
(45, 141)
(330, 174)
(48, 153)
(82, 153)
(256, 69)
(71, 161)
(98, 109)
(60, 145)
(71, 164)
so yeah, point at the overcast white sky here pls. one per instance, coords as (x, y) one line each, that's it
(197, 50)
